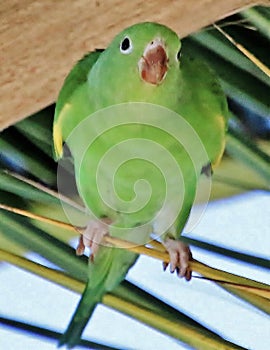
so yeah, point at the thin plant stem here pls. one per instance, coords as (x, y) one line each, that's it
(247, 53)
(158, 252)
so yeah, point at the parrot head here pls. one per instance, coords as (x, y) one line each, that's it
(141, 58)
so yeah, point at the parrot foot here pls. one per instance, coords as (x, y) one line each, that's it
(93, 236)
(180, 255)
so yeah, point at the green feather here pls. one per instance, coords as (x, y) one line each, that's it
(101, 281)
(74, 82)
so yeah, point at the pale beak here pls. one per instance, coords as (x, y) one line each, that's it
(153, 65)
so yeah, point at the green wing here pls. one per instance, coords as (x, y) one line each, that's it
(71, 105)
(204, 105)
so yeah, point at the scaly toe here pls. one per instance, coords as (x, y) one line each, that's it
(180, 255)
(94, 234)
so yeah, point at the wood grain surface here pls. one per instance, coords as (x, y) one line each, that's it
(41, 40)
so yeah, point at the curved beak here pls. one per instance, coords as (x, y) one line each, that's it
(153, 65)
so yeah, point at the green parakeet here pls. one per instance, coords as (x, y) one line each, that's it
(143, 123)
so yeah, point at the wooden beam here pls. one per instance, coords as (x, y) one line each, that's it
(42, 39)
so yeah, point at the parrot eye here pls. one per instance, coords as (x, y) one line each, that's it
(126, 46)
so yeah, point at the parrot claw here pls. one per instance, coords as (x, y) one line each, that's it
(93, 236)
(165, 265)
(80, 247)
(180, 255)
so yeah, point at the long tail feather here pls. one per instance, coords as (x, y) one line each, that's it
(108, 270)
(82, 314)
